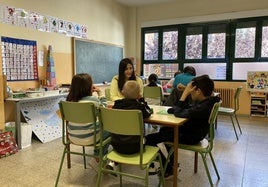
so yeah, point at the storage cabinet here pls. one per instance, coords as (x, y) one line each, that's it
(259, 104)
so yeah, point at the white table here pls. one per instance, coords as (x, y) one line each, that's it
(19, 101)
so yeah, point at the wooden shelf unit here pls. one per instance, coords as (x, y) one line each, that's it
(259, 102)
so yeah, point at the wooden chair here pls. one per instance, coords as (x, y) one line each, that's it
(204, 147)
(78, 121)
(128, 122)
(232, 111)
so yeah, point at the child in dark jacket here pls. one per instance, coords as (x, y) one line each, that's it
(126, 144)
(197, 127)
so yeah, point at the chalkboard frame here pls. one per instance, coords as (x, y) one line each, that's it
(99, 59)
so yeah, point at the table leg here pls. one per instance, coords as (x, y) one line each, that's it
(175, 165)
(18, 124)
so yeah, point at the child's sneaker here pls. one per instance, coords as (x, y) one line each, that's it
(154, 168)
(112, 166)
(169, 172)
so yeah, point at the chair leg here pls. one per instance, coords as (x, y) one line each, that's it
(214, 165)
(195, 162)
(100, 175)
(234, 127)
(120, 176)
(61, 163)
(206, 167)
(84, 152)
(162, 173)
(168, 158)
(238, 124)
(146, 183)
(68, 157)
(216, 123)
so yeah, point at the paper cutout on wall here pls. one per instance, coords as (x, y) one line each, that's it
(33, 20)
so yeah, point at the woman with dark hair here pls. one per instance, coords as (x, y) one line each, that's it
(125, 73)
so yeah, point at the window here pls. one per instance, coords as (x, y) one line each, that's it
(216, 41)
(170, 45)
(264, 44)
(225, 50)
(193, 43)
(151, 46)
(245, 36)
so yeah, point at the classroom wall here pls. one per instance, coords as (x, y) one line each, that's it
(179, 11)
(107, 21)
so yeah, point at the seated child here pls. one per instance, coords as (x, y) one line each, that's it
(153, 82)
(132, 100)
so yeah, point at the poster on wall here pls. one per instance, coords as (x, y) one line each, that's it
(257, 80)
(53, 24)
(19, 59)
(45, 23)
(23, 20)
(34, 20)
(70, 29)
(62, 26)
(10, 15)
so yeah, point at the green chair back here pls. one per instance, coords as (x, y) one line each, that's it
(236, 98)
(76, 112)
(153, 92)
(107, 94)
(82, 116)
(126, 122)
(212, 120)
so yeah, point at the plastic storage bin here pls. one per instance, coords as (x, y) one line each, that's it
(26, 133)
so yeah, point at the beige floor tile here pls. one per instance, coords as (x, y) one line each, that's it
(240, 163)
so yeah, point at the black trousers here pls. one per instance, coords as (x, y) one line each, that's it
(165, 134)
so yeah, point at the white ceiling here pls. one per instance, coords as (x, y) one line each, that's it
(141, 2)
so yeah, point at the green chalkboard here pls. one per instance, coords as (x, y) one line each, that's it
(100, 60)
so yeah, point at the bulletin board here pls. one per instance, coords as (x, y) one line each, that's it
(100, 60)
(19, 59)
(257, 80)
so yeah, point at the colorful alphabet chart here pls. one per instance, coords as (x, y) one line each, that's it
(19, 59)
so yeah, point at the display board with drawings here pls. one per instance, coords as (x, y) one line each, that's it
(257, 80)
(100, 60)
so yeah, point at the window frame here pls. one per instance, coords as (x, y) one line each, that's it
(230, 29)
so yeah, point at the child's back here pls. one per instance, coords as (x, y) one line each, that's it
(123, 143)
